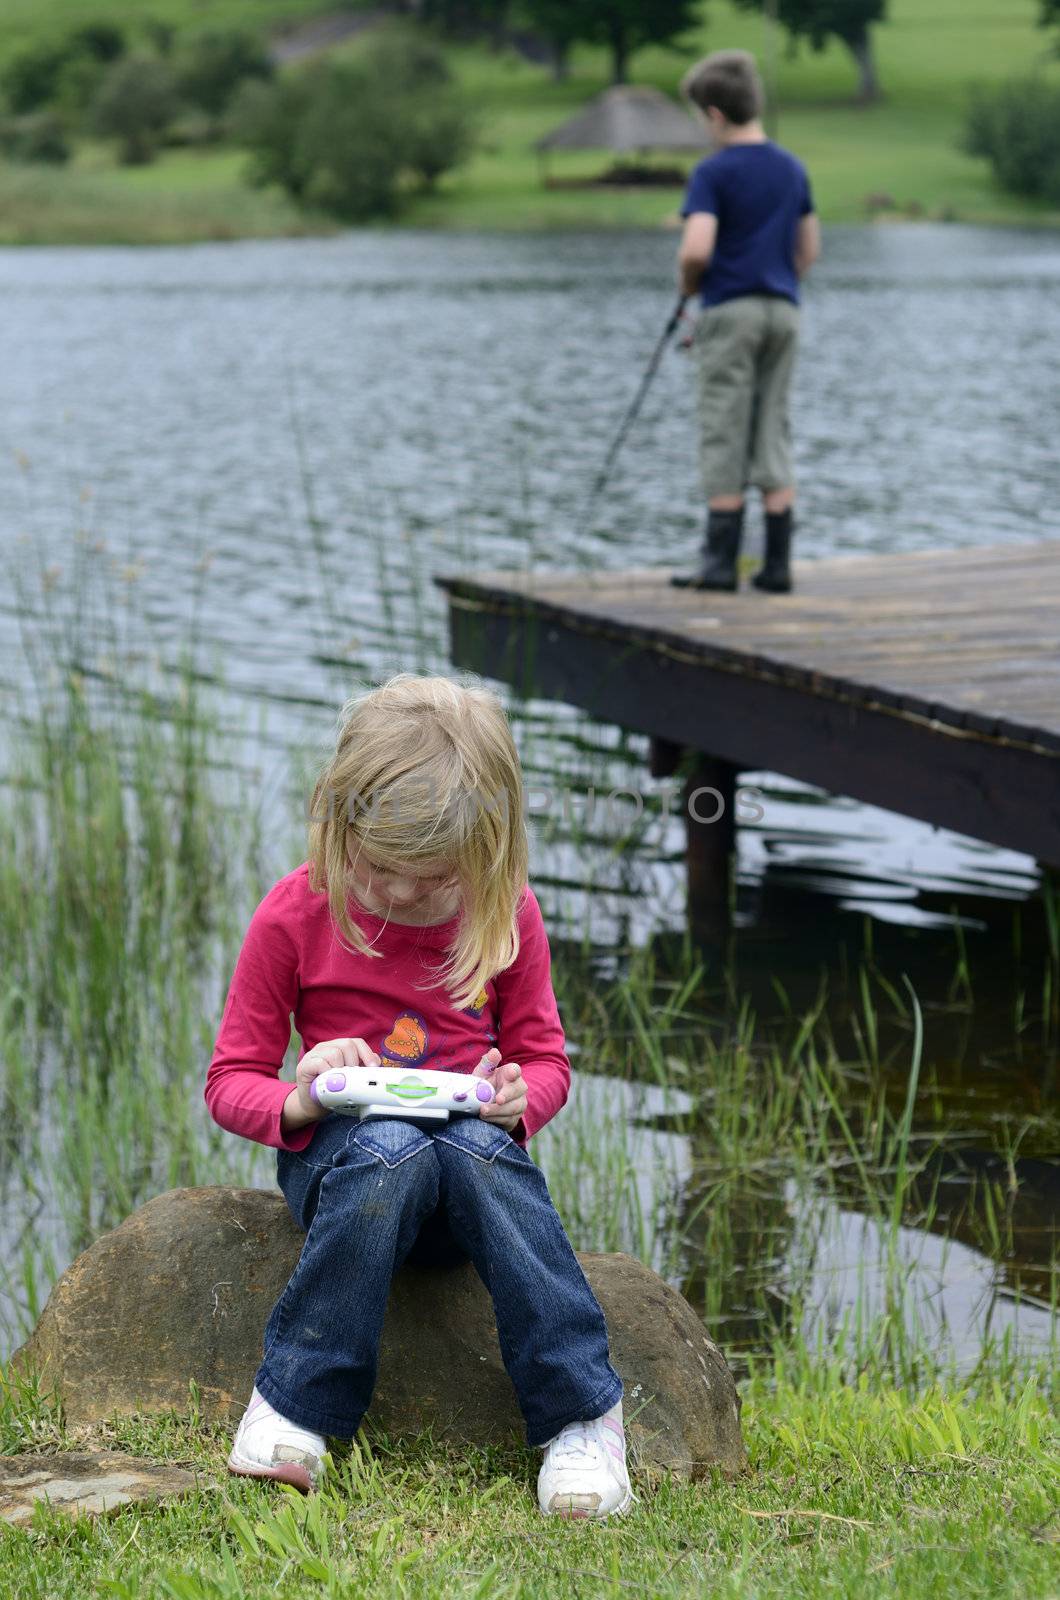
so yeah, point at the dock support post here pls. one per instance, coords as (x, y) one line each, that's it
(710, 825)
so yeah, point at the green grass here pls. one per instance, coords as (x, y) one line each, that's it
(184, 198)
(852, 1490)
(906, 147)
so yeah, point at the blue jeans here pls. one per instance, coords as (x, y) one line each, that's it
(370, 1194)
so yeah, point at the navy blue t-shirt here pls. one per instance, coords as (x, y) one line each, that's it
(758, 192)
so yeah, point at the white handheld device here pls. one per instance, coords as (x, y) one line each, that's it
(388, 1091)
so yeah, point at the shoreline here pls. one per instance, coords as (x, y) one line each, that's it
(317, 229)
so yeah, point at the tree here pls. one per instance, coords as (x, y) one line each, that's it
(161, 36)
(34, 76)
(264, 119)
(467, 18)
(557, 22)
(212, 65)
(436, 132)
(623, 26)
(850, 21)
(90, 51)
(137, 101)
(103, 41)
(31, 76)
(346, 136)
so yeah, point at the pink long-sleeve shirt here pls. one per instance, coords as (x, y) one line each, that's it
(293, 964)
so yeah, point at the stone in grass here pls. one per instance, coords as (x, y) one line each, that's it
(83, 1483)
(180, 1293)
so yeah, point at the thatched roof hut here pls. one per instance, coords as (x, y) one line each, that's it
(628, 120)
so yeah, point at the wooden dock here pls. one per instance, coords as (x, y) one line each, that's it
(928, 684)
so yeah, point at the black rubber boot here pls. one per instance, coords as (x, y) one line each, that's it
(775, 576)
(721, 547)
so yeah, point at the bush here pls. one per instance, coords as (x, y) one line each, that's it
(76, 85)
(37, 136)
(1016, 126)
(264, 118)
(101, 41)
(437, 131)
(34, 77)
(327, 136)
(347, 153)
(212, 66)
(161, 36)
(31, 76)
(137, 101)
(440, 141)
(346, 137)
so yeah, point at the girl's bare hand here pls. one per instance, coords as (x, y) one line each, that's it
(324, 1057)
(509, 1106)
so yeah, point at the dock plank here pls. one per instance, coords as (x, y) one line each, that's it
(926, 654)
(984, 624)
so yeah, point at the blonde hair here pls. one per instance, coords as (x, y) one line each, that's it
(426, 769)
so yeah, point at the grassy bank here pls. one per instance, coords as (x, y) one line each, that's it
(853, 1490)
(904, 148)
(187, 197)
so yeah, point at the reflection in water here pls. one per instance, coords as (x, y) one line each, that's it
(941, 1295)
(761, 1255)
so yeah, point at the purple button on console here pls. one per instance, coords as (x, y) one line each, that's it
(484, 1092)
(336, 1081)
(461, 1095)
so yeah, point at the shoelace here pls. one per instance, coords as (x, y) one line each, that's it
(575, 1443)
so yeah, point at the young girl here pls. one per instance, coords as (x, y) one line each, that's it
(410, 935)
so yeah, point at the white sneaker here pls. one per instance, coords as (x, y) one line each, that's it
(584, 1470)
(268, 1446)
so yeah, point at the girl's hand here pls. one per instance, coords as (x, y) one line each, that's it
(299, 1108)
(510, 1104)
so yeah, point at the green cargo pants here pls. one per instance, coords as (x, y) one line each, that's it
(746, 355)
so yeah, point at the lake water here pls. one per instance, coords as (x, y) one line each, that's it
(321, 425)
(266, 450)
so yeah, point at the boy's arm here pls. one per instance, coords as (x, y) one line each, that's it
(529, 1030)
(807, 243)
(697, 248)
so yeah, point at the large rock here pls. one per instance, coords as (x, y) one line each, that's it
(181, 1292)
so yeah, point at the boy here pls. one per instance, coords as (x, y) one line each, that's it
(750, 234)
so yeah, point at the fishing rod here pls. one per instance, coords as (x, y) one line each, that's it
(631, 415)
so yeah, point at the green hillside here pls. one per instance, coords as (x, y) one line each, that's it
(32, 21)
(905, 148)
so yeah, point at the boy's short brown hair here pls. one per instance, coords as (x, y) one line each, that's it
(728, 80)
